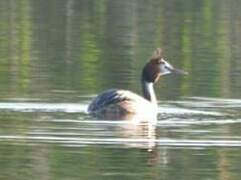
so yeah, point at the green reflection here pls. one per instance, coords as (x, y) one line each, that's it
(88, 46)
(25, 37)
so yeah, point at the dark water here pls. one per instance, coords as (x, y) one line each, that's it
(56, 55)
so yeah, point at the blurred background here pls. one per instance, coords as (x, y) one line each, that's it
(88, 46)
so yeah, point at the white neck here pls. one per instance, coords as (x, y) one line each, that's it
(148, 92)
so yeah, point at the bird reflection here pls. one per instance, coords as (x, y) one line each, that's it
(136, 131)
(139, 135)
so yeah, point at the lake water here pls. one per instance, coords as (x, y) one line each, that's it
(56, 55)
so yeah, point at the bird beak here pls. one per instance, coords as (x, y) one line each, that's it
(178, 71)
(167, 68)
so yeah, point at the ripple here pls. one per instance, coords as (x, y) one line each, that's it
(44, 107)
(172, 121)
(199, 122)
(178, 110)
(119, 141)
(82, 108)
(206, 102)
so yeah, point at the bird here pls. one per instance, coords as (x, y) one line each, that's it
(119, 103)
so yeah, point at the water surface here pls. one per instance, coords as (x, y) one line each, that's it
(56, 56)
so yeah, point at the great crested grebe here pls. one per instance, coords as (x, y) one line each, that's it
(115, 103)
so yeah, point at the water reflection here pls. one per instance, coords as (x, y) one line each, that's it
(54, 133)
(176, 120)
(55, 54)
(91, 48)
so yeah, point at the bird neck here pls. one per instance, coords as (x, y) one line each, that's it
(148, 91)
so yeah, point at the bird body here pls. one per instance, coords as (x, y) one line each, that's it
(121, 102)
(116, 103)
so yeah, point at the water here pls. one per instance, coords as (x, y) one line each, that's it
(56, 56)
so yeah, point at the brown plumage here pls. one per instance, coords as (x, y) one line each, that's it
(151, 69)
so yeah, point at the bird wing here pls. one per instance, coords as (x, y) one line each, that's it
(112, 96)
